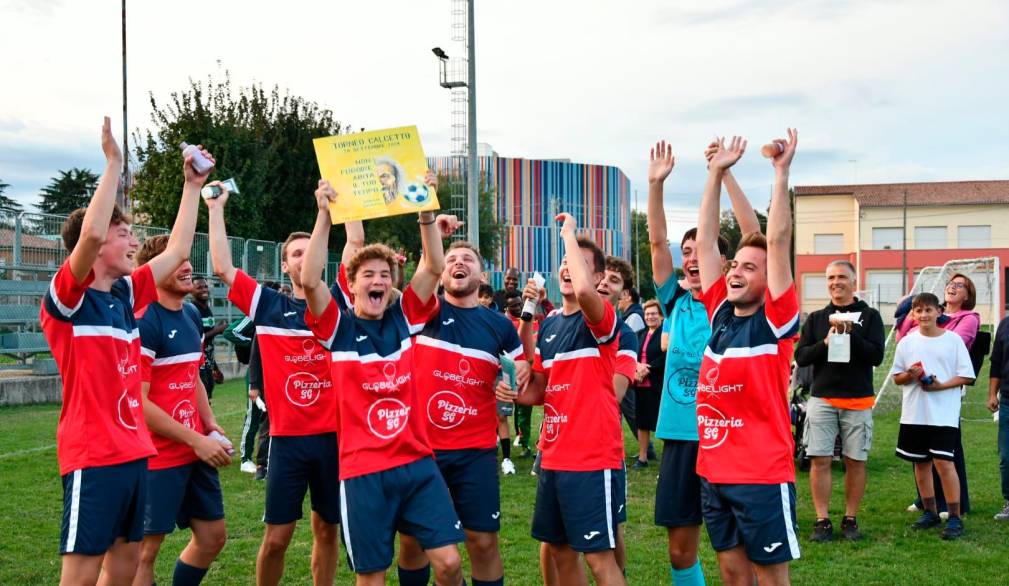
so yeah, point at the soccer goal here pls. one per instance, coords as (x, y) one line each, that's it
(985, 274)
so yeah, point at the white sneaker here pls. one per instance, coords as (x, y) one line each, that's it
(507, 467)
(912, 508)
(248, 466)
(944, 516)
(517, 442)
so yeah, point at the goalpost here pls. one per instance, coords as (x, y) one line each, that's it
(985, 274)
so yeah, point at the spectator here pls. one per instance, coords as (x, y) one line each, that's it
(958, 316)
(209, 372)
(648, 381)
(932, 365)
(511, 285)
(998, 384)
(485, 294)
(842, 395)
(630, 308)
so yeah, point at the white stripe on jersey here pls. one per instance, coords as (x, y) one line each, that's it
(291, 333)
(574, 354)
(129, 285)
(468, 352)
(414, 329)
(255, 301)
(786, 512)
(514, 354)
(712, 315)
(762, 350)
(630, 353)
(180, 359)
(147, 352)
(66, 311)
(608, 491)
(108, 331)
(779, 332)
(345, 517)
(353, 356)
(75, 511)
(613, 332)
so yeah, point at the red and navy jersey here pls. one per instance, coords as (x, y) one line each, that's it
(581, 418)
(743, 421)
(297, 378)
(627, 352)
(94, 339)
(458, 358)
(374, 362)
(171, 354)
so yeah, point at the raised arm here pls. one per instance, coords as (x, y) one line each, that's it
(709, 260)
(355, 240)
(426, 277)
(180, 243)
(779, 221)
(746, 218)
(99, 213)
(589, 301)
(312, 266)
(220, 250)
(660, 165)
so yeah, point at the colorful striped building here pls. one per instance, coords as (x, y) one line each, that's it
(528, 193)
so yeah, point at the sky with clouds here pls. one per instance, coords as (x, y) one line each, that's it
(881, 91)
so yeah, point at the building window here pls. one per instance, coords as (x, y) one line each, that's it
(930, 237)
(828, 243)
(973, 236)
(888, 286)
(887, 238)
(814, 286)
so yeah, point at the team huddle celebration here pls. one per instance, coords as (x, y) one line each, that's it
(388, 398)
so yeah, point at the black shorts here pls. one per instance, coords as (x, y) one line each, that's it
(646, 407)
(298, 464)
(102, 504)
(179, 494)
(921, 443)
(678, 494)
(472, 479)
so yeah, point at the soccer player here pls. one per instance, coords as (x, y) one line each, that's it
(299, 391)
(458, 355)
(678, 493)
(182, 484)
(102, 442)
(211, 329)
(578, 492)
(745, 456)
(389, 480)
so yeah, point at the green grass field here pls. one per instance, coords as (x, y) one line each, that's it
(890, 554)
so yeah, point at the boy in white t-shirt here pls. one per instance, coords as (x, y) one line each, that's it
(932, 365)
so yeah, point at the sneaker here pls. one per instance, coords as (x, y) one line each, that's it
(823, 531)
(526, 453)
(1003, 515)
(927, 520)
(507, 467)
(260, 473)
(953, 530)
(913, 507)
(944, 515)
(849, 528)
(249, 467)
(638, 464)
(517, 442)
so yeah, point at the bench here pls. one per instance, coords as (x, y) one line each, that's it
(23, 344)
(19, 314)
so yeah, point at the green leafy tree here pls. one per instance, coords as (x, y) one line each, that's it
(68, 191)
(8, 204)
(262, 138)
(730, 229)
(641, 255)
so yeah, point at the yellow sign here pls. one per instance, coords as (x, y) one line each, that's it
(375, 174)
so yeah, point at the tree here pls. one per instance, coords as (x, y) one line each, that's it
(8, 204)
(260, 137)
(68, 191)
(730, 229)
(641, 255)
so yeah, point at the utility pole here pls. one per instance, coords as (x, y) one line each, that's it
(124, 195)
(903, 270)
(637, 247)
(473, 176)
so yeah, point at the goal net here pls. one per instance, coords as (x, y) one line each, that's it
(984, 273)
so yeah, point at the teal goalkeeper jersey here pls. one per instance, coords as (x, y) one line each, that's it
(689, 331)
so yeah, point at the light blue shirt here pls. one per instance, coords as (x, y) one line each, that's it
(689, 330)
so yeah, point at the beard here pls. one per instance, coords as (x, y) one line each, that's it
(468, 288)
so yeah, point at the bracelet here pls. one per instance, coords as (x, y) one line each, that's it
(426, 223)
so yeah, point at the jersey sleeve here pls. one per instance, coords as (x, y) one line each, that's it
(714, 297)
(247, 294)
(900, 363)
(667, 295)
(194, 315)
(627, 353)
(341, 289)
(782, 313)
(605, 330)
(65, 294)
(667, 325)
(326, 325)
(142, 287)
(150, 343)
(416, 312)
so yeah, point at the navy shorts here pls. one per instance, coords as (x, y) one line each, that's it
(620, 477)
(472, 479)
(102, 504)
(578, 508)
(176, 495)
(921, 443)
(678, 493)
(411, 499)
(297, 464)
(760, 517)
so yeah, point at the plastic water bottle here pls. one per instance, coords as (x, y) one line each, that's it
(529, 308)
(200, 163)
(223, 440)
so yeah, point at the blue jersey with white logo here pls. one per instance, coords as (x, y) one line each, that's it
(689, 331)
